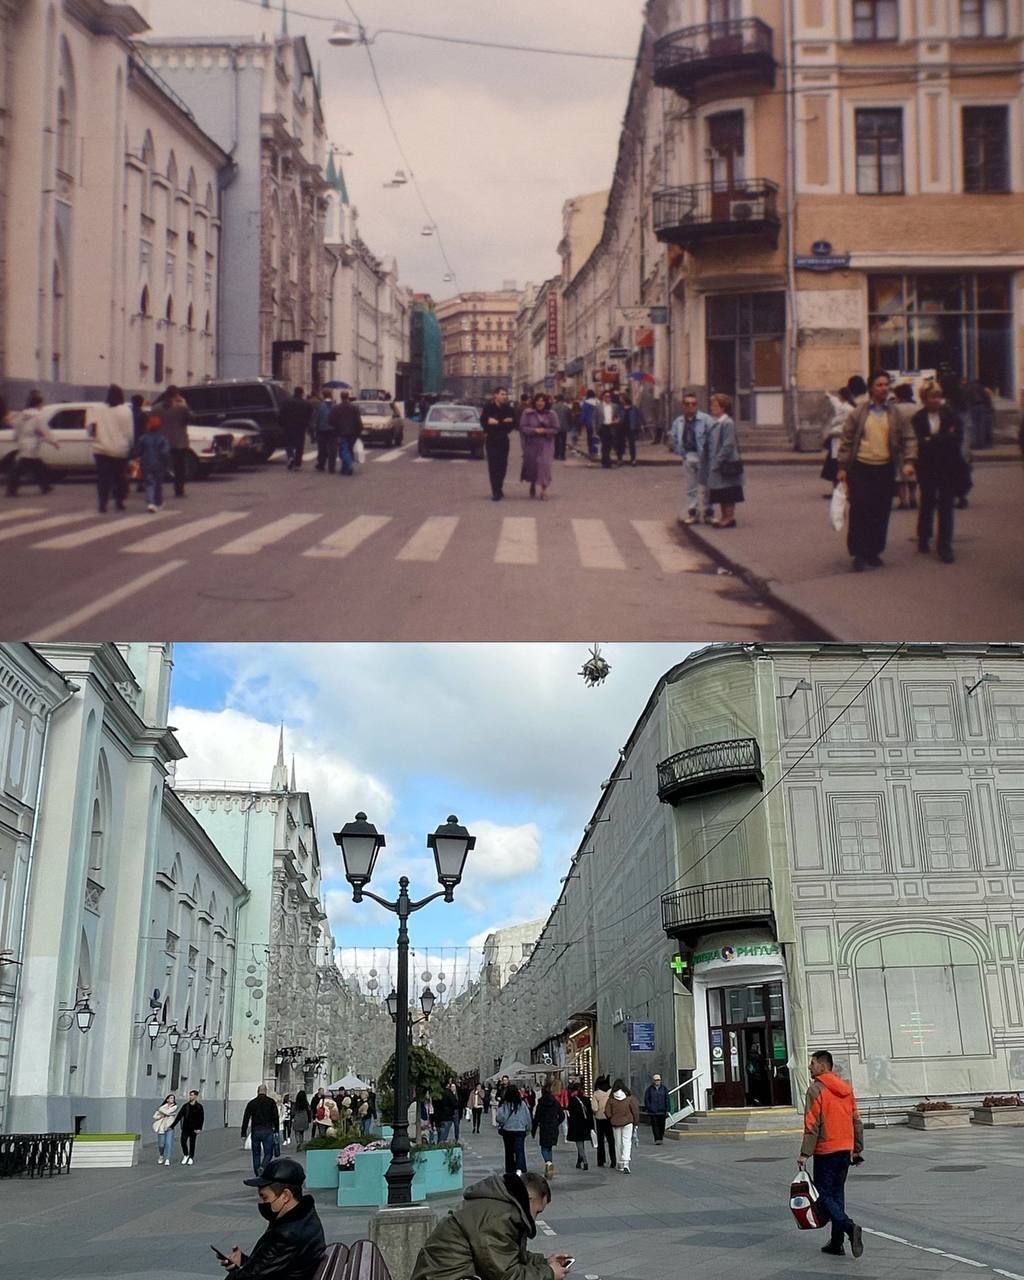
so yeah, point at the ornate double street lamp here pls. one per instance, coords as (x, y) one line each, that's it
(360, 843)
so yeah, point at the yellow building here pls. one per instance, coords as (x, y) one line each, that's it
(478, 338)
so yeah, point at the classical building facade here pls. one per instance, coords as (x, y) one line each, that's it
(110, 213)
(128, 909)
(478, 341)
(801, 846)
(425, 352)
(259, 100)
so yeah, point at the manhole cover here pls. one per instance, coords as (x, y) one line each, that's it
(956, 1168)
(875, 1177)
(239, 593)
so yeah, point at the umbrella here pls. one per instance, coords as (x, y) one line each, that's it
(350, 1082)
(335, 385)
(638, 376)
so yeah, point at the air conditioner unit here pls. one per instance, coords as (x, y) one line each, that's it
(746, 210)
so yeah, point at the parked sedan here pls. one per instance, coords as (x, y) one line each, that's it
(452, 428)
(382, 423)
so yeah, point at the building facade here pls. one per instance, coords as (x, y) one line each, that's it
(425, 352)
(811, 191)
(129, 909)
(478, 341)
(110, 221)
(802, 846)
(259, 100)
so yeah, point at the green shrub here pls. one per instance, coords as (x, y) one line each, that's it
(335, 1141)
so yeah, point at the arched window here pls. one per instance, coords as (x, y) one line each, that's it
(190, 320)
(172, 187)
(66, 113)
(144, 301)
(921, 995)
(169, 311)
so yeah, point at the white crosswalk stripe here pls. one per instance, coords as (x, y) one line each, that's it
(350, 536)
(430, 540)
(658, 540)
(518, 541)
(250, 543)
(107, 529)
(392, 455)
(158, 542)
(453, 461)
(19, 513)
(38, 526)
(596, 548)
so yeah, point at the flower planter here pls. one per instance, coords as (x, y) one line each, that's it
(366, 1184)
(105, 1151)
(998, 1115)
(436, 1176)
(322, 1167)
(954, 1118)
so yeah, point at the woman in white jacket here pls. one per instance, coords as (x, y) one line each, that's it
(163, 1119)
(113, 434)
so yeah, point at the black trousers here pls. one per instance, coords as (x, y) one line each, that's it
(619, 437)
(604, 1134)
(560, 446)
(830, 1179)
(477, 1113)
(871, 489)
(188, 1142)
(606, 434)
(178, 464)
(497, 460)
(296, 446)
(22, 468)
(327, 450)
(111, 480)
(658, 1127)
(935, 497)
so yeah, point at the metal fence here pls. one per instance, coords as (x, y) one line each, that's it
(744, 203)
(35, 1154)
(710, 42)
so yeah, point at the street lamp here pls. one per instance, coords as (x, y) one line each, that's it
(174, 1037)
(360, 842)
(152, 1028)
(392, 1004)
(84, 1014)
(197, 1041)
(215, 1046)
(427, 1002)
(229, 1049)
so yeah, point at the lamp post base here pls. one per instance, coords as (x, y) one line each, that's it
(399, 1232)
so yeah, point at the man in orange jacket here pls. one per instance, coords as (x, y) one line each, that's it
(834, 1135)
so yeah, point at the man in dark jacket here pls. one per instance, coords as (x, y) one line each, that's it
(486, 1236)
(940, 469)
(347, 421)
(190, 1117)
(292, 1247)
(262, 1118)
(174, 417)
(295, 415)
(446, 1108)
(498, 418)
(656, 1106)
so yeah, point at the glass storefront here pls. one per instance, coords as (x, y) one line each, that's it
(749, 1050)
(745, 342)
(964, 321)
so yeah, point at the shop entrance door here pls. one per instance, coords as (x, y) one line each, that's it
(747, 1032)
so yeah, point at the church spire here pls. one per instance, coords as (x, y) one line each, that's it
(279, 778)
(293, 787)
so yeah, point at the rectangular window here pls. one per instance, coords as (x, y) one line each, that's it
(857, 826)
(879, 151)
(946, 833)
(931, 714)
(1013, 823)
(1008, 714)
(876, 20)
(171, 943)
(982, 19)
(986, 144)
(852, 725)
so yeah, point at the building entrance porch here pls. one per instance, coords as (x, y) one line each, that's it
(748, 1047)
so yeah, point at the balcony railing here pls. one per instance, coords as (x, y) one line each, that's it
(704, 211)
(686, 59)
(686, 913)
(711, 767)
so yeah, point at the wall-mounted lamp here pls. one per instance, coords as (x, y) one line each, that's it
(801, 686)
(610, 782)
(81, 1014)
(987, 678)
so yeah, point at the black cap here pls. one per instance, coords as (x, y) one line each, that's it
(283, 1169)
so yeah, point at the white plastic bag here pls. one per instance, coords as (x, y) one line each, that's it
(359, 452)
(838, 507)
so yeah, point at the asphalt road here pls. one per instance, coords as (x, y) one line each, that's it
(935, 1206)
(408, 549)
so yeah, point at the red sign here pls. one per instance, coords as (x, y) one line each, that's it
(552, 324)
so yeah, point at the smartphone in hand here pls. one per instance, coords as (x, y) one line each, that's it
(223, 1256)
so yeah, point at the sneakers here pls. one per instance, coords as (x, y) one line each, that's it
(690, 517)
(856, 1241)
(836, 1250)
(152, 508)
(184, 1159)
(625, 1168)
(159, 1159)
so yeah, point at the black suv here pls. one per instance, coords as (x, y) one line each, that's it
(231, 399)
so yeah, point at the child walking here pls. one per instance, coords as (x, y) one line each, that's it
(153, 451)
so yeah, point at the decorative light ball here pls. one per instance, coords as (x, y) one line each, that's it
(441, 987)
(426, 975)
(373, 973)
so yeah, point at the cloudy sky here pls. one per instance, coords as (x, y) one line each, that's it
(507, 737)
(497, 139)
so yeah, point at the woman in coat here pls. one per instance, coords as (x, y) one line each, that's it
(538, 427)
(721, 469)
(163, 1126)
(513, 1125)
(300, 1118)
(547, 1122)
(605, 1137)
(623, 1114)
(476, 1106)
(581, 1123)
(113, 438)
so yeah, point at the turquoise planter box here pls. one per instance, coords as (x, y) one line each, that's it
(386, 1131)
(366, 1184)
(321, 1168)
(434, 1171)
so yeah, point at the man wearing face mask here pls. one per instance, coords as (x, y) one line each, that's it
(293, 1246)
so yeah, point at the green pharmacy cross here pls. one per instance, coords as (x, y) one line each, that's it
(678, 966)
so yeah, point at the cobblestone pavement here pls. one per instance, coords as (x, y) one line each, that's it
(935, 1204)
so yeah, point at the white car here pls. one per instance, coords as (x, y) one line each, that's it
(382, 423)
(210, 448)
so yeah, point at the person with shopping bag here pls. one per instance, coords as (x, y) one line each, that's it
(834, 1136)
(581, 1123)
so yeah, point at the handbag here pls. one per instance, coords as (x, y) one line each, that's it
(838, 507)
(730, 469)
(803, 1203)
(359, 452)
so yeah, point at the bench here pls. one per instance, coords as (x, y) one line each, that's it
(360, 1261)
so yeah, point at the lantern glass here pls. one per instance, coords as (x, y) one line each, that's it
(427, 1000)
(450, 844)
(197, 1042)
(392, 1004)
(229, 1049)
(84, 1015)
(360, 843)
(279, 1059)
(215, 1046)
(152, 1029)
(174, 1037)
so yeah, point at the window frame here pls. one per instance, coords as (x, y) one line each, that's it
(874, 6)
(987, 186)
(861, 114)
(981, 9)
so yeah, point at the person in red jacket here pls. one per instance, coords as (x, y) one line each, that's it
(834, 1135)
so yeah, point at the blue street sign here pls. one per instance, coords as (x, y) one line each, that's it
(659, 315)
(821, 262)
(641, 1037)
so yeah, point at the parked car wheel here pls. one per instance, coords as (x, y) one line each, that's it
(422, 450)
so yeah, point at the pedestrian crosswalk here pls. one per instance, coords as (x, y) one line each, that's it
(590, 544)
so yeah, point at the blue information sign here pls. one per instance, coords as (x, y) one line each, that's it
(641, 1037)
(822, 262)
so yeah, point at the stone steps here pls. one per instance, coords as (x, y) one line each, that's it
(739, 1122)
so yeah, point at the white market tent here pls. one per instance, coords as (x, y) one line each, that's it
(349, 1082)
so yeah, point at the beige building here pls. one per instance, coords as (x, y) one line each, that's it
(832, 186)
(539, 358)
(110, 230)
(478, 340)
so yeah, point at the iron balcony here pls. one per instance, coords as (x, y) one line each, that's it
(711, 767)
(687, 913)
(693, 215)
(687, 60)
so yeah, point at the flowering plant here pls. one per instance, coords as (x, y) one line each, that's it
(347, 1156)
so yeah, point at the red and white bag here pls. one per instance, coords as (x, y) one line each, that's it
(803, 1202)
